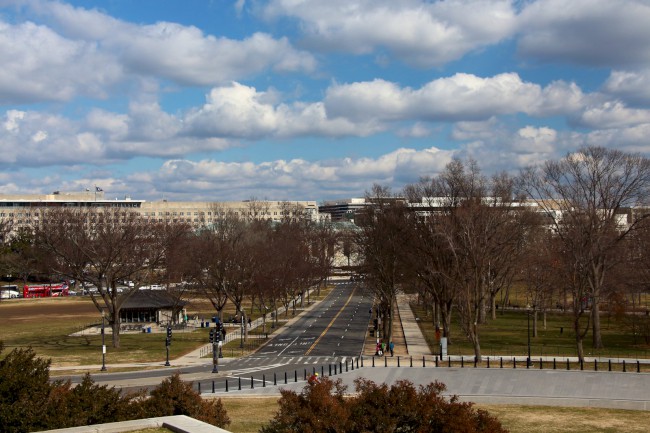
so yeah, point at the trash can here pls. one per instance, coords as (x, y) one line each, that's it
(149, 330)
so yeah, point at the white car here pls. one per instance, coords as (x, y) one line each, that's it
(9, 294)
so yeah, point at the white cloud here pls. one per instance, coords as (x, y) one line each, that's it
(417, 130)
(79, 52)
(282, 179)
(40, 65)
(243, 112)
(611, 33)
(632, 86)
(421, 33)
(459, 97)
(613, 115)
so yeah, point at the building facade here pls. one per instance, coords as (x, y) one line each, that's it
(27, 210)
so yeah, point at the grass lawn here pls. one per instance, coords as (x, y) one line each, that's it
(47, 324)
(508, 335)
(517, 419)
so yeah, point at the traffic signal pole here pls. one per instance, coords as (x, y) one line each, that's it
(168, 342)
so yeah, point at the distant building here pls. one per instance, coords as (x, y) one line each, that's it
(26, 209)
(344, 209)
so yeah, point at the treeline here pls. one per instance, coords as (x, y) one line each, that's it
(573, 233)
(29, 401)
(234, 259)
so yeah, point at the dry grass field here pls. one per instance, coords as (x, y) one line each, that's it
(249, 414)
(46, 325)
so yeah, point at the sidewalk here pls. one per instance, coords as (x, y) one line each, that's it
(407, 336)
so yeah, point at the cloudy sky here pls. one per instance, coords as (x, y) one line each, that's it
(309, 99)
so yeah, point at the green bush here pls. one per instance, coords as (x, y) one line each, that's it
(175, 397)
(30, 402)
(322, 408)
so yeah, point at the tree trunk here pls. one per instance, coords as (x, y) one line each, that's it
(446, 322)
(579, 338)
(476, 343)
(389, 331)
(493, 305)
(595, 316)
(115, 326)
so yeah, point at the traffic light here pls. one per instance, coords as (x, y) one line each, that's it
(212, 335)
(169, 332)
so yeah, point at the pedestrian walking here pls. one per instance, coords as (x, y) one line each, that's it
(391, 346)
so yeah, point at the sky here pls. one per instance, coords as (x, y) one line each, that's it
(309, 99)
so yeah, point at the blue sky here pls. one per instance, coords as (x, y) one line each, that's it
(308, 99)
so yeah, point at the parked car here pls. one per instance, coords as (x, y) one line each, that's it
(9, 294)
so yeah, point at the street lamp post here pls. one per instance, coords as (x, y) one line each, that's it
(103, 345)
(241, 344)
(528, 314)
(168, 342)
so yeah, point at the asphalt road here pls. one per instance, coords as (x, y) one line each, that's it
(327, 336)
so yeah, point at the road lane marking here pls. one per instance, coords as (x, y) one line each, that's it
(331, 323)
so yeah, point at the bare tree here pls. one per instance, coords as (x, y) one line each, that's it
(380, 240)
(101, 247)
(587, 196)
(466, 238)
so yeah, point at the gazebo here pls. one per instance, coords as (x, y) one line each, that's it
(152, 306)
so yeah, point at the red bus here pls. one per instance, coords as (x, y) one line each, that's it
(45, 290)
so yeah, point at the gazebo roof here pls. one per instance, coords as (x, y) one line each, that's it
(156, 299)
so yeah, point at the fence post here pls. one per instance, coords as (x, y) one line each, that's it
(398, 364)
(541, 363)
(213, 387)
(285, 377)
(411, 361)
(462, 361)
(424, 361)
(514, 362)
(553, 363)
(226, 384)
(501, 362)
(624, 370)
(239, 383)
(449, 360)
(488, 362)
(252, 384)
(595, 365)
(567, 364)
(638, 366)
(263, 381)
(275, 379)
(609, 361)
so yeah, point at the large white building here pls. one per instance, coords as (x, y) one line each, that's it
(27, 209)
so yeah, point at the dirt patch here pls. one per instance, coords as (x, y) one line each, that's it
(28, 309)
